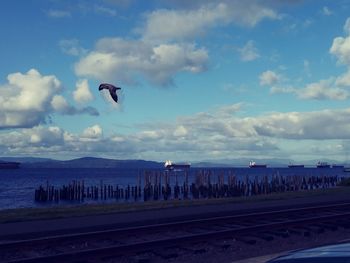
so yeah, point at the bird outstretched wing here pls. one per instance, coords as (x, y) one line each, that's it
(112, 90)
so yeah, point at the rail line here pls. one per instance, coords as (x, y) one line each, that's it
(124, 241)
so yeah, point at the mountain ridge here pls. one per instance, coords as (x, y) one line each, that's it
(98, 162)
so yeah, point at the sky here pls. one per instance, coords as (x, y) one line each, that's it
(201, 80)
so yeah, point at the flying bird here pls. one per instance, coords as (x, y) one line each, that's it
(112, 90)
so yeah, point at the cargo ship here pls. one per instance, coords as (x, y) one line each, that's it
(9, 165)
(346, 170)
(255, 165)
(169, 165)
(296, 166)
(323, 165)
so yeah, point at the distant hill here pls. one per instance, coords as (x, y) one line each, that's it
(25, 159)
(86, 162)
(94, 162)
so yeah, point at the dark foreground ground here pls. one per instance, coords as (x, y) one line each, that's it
(34, 225)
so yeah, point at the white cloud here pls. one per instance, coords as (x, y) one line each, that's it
(39, 136)
(347, 26)
(269, 78)
(117, 59)
(229, 110)
(341, 46)
(167, 25)
(149, 135)
(341, 49)
(326, 89)
(249, 52)
(343, 80)
(93, 132)
(105, 10)
(200, 136)
(59, 103)
(71, 47)
(28, 99)
(317, 125)
(323, 90)
(165, 46)
(180, 131)
(82, 93)
(25, 100)
(326, 11)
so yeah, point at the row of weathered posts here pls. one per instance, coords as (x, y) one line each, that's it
(157, 186)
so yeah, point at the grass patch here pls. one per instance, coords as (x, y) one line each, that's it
(27, 214)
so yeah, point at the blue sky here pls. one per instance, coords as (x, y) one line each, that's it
(201, 80)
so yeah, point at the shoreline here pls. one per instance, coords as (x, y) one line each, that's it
(76, 210)
(24, 223)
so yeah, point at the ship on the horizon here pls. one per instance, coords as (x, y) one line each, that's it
(9, 165)
(169, 165)
(323, 165)
(291, 165)
(338, 166)
(255, 165)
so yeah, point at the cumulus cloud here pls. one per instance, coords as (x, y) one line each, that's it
(347, 26)
(321, 90)
(24, 101)
(269, 78)
(82, 93)
(249, 52)
(341, 50)
(29, 140)
(60, 105)
(71, 47)
(119, 59)
(341, 46)
(326, 11)
(333, 88)
(165, 25)
(27, 100)
(327, 89)
(229, 110)
(93, 132)
(203, 135)
(343, 80)
(180, 131)
(105, 10)
(317, 125)
(165, 45)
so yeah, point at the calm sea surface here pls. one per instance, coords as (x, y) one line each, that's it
(17, 186)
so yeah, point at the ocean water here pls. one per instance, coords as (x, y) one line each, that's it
(17, 186)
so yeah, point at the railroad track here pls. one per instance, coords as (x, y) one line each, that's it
(128, 241)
